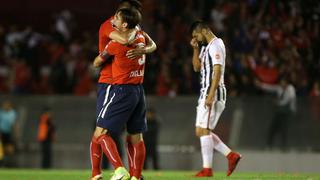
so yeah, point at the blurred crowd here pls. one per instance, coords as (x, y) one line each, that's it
(264, 39)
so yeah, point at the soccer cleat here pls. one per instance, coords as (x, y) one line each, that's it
(97, 177)
(120, 174)
(233, 159)
(134, 178)
(205, 172)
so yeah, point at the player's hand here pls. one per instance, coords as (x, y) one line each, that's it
(194, 43)
(209, 101)
(132, 36)
(134, 53)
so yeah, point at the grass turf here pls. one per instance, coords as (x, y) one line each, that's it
(14, 174)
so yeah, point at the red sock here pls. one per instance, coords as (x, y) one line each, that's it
(130, 150)
(96, 156)
(109, 148)
(139, 155)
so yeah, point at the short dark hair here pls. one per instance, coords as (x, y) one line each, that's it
(131, 16)
(133, 3)
(198, 25)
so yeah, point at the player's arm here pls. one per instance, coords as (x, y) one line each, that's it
(122, 38)
(114, 34)
(98, 61)
(267, 87)
(214, 84)
(290, 96)
(149, 48)
(110, 50)
(103, 56)
(195, 57)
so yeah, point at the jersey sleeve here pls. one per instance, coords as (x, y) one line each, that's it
(112, 48)
(216, 55)
(140, 40)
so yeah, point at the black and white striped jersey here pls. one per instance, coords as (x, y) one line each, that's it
(213, 53)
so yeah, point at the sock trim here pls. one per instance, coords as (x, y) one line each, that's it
(106, 146)
(91, 155)
(134, 157)
(129, 155)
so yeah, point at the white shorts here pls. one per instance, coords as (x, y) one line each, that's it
(208, 118)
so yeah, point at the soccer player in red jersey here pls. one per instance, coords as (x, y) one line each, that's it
(108, 32)
(124, 104)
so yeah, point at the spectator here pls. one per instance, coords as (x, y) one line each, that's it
(8, 117)
(285, 107)
(151, 139)
(64, 22)
(315, 90)
(260, 46)
(46, 136)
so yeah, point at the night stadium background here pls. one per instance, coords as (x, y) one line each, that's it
(46, 52)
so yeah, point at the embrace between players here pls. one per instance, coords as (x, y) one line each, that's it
(121, 99)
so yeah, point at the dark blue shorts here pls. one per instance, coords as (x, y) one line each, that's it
(103, 91)
(121, 106)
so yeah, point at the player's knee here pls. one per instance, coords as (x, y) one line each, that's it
(198, 133)
(136, 138)
(202, 132)
(99, 131)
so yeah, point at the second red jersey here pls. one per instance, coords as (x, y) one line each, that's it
(105, 29)
(125, 70)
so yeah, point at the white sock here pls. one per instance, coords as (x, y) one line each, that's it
(207, 146)
(219, 145)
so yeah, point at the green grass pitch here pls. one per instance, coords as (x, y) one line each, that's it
(13, 174)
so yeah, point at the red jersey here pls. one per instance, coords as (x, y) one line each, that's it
(105, 29)
(125, 70)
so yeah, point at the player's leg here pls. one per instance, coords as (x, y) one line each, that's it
(217, 110)
(219, 145)
(207, 147)
(206, 142)
(135, 145)
(96, 157)
(112, 118)
(103, 91)
(129, 150)
(108, 146)
(137, 156)
(233, 157)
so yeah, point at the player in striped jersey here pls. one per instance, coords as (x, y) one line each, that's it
(210, 62)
